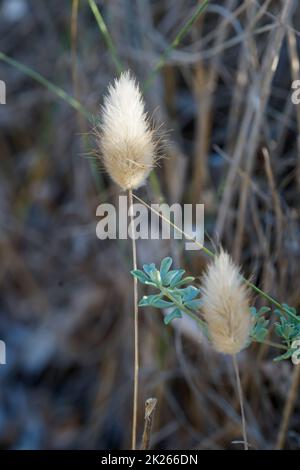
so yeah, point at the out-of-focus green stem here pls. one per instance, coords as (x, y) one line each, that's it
(175, 43)
(106, 35)
(50, 86)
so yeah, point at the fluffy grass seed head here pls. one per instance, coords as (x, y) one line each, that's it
(126, 141)
(226, 305)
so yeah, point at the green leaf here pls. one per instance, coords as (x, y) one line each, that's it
(185, 280)
(261, 335)
(189, 293)
(149, 268)
(290, 311)
(177, 277)
(155, 276)
(154, 301)
(193, 304)
(278, 312)
(259, 330)
(176, 295)
(169, 276)
(160, 303)
(253, 311)
(278, 329)
(287, 328)
(258, 313)
(152, 272)
(142, 277)
(288, 331)
(150, 283)
(263, 310)
(176, 313)
(146, 300)
(164, 267)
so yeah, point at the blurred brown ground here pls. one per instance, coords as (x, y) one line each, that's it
(65, 298)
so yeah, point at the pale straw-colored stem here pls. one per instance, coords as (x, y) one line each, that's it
(136, 328)
(241, 400)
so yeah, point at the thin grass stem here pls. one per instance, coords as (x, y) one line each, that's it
(106, 35)
(241, 400)
(175, 43)
(136, 328)
(288, 408)
(50, 86)
(272, 344)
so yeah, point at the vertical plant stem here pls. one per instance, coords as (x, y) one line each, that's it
(136, 329)
(241, 400)
(288, 408)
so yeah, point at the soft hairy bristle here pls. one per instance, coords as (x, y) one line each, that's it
(226, 305)
(126, 141)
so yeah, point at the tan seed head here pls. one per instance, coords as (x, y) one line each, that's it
(125, 139)
(226, 305)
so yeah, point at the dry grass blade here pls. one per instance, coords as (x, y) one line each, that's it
(262, 88)
(150, 407)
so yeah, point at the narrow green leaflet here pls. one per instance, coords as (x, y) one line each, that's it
(176, 313)
(260, 327)
(164, 267)
(171, 294)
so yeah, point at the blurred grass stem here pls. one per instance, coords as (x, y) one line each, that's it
(241, 400)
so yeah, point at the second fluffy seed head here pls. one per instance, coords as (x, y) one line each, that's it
(226, 305)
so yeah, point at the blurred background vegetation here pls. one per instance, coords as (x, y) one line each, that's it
(221, 81)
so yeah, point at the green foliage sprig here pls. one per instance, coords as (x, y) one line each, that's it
(173, 293)
(287, 328)
(176, 293)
